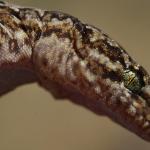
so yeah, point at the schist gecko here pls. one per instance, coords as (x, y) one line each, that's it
(74, 60)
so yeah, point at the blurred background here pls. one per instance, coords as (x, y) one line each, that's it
(31, 119)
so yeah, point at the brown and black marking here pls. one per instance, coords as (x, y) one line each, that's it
(52, 46)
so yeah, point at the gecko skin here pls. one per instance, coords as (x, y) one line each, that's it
(70, 58)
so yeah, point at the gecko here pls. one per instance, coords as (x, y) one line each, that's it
(76, 60)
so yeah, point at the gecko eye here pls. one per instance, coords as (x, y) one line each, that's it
(133, 81)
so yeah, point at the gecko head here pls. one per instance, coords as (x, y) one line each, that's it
(134, 95)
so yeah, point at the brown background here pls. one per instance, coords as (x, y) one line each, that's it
(31, 119)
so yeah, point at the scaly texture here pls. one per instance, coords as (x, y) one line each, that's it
(74, 59)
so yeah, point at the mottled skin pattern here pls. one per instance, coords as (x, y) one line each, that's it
(73, 59)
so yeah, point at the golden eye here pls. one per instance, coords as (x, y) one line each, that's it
(132, 81)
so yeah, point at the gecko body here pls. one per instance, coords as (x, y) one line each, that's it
(64, 54)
